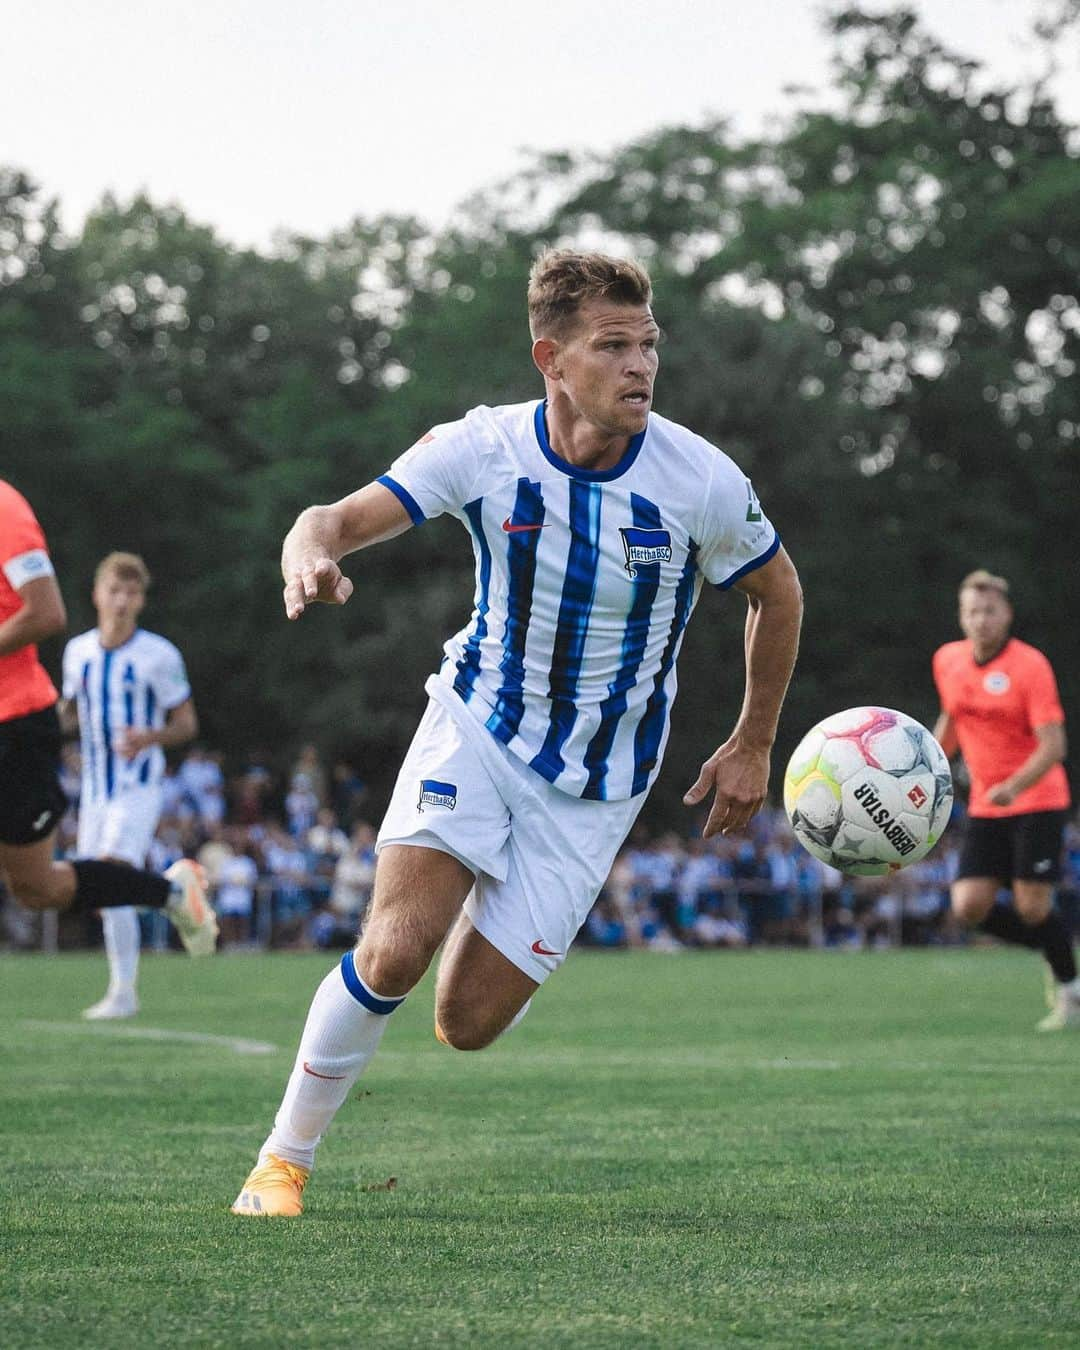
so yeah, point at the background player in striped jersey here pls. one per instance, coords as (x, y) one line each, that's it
(594, 525)
(1001, 710)
(130, 692)
(31, 802)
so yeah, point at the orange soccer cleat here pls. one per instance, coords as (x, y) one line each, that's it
(273, 1188)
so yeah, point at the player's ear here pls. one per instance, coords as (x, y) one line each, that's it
(545, 355)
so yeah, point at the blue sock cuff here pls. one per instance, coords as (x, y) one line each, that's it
(359, 990)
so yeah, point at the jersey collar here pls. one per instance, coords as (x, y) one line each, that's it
(991, 658)
(120, 645)
(571, 470)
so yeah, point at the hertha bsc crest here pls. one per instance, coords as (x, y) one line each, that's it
(434, 793)
(644, 548)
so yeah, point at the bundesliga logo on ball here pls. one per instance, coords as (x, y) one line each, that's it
(868, 791)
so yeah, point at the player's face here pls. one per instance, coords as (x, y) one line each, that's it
(985, 618)
(608, 363)
(118, 601)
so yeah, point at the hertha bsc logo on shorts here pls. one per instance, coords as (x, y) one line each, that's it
(644, 548)
(434, 793)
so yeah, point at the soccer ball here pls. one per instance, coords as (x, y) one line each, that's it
(868, 790)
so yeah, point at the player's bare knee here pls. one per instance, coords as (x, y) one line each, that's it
(465, 1037)
(1033, 914)
(968, 911)
(393, 954)
(1033, 901)
(462, 1028)
(972, 903)
(391, 972)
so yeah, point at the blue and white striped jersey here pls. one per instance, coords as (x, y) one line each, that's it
(134, 685)
(585, 581)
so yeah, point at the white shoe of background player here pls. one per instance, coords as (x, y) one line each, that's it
(116, 1003)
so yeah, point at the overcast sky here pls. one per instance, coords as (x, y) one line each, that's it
(256, 115)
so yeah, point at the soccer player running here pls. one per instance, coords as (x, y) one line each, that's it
(31, 800)
(1000, 709)
(594, 524)
(129, 691)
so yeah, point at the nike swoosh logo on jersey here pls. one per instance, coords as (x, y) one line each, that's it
(511, 528)
(330, 1077)
(539, 948)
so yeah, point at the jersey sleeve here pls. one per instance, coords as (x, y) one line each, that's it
(170, 680)
(23, 553)
(737, 536)
(437, 474)
(1041, 693)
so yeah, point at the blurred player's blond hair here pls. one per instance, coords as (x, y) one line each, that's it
(982, 580)
(126, 566)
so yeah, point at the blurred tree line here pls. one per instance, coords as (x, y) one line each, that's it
(874, 311)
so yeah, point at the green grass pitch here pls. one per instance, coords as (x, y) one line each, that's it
(788, 1149)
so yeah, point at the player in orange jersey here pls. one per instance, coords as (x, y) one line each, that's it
(1000, 709)
(31, 802)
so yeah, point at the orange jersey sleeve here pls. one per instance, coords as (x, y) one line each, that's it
(995, 709)
(25, 686)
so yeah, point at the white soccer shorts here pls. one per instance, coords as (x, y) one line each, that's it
(540, 856)
(121, 826)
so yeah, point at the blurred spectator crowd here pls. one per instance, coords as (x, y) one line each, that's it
(291, 862)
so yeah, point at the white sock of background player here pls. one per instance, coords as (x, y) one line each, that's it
(122, 941)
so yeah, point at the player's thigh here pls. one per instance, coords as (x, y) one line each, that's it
(558, 856)
(1038, 838)
(445, 796)
(125, 825)
(984, 867)
(479, 990)
(1037, 849)
(31, 800)
(417, 895)
(91, 827)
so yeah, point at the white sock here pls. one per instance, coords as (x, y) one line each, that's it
(344, 1026)
(122, 939)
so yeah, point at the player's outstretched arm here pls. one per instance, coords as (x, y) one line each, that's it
(323, 535)
(739, 770)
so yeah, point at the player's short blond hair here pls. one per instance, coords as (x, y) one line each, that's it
(124, 566)
(562, 280)
(982, 580)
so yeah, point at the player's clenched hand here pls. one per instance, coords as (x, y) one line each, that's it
(130, 741)
(740, 776)
(316, 582)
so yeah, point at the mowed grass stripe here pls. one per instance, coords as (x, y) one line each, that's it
(771, 1148)
(124, 1030)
